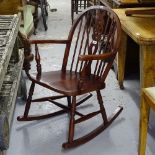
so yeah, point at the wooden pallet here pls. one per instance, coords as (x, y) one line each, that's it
(11, 62)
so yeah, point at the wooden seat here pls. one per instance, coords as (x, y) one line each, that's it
(148, 97)
(90, 50)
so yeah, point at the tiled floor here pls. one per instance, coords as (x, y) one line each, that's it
(46, 137)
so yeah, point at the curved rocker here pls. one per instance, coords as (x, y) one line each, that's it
(65, 109)
(95, 132)
(91, 48)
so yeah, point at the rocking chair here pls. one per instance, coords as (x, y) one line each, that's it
(91, 48)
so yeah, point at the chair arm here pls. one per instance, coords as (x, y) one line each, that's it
(49, 41)
(96, 57)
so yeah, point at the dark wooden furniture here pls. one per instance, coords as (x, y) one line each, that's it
(91, 48)
(11, 63)
(44, 12)
(76, 6)
(79, 5)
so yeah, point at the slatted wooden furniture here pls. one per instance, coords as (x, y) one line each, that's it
(11, 63)
(91, 47)
(76, 6)
(148, 97)
(43, 5)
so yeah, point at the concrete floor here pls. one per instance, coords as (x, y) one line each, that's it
(46, 137)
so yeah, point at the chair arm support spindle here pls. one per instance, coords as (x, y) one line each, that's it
(37, 58)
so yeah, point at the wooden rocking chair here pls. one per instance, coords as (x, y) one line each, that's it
(91, 48)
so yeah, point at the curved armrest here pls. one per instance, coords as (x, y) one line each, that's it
(49, 41)
(96, 57)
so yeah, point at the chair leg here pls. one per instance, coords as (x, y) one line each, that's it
(72, 10)
(65, 109)
(85, 4)
(69, 101)
(144, 120)
(106, 123)
(28, 103)
(35, 18)
(72, 120)
(76, 6)
(103, 112)
(27, 117)
(81, 4)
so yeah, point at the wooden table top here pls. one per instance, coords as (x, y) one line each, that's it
(140, 28)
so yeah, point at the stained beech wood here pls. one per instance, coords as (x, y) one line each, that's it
(91, 47)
